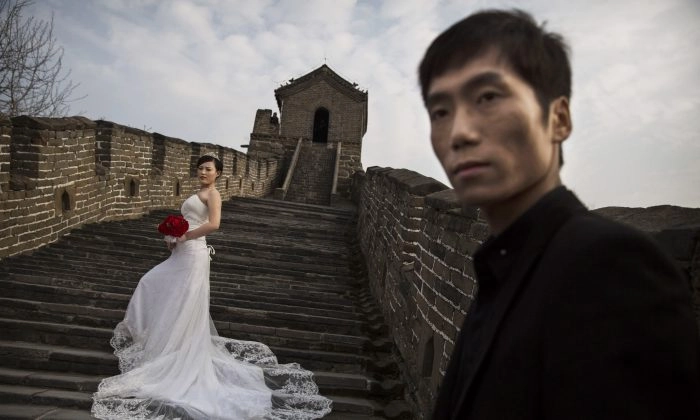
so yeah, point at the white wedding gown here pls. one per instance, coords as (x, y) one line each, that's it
(174, 364)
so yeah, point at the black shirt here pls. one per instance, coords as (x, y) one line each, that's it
(493, 264)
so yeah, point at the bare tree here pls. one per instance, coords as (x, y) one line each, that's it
(31, 77)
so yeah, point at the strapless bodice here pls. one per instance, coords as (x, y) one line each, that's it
(195, 211)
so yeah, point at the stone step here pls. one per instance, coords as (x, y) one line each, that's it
(222, 275)
(43, 412)
(286, 223)
(331, 383)
(294, 320)
(291, 294)
(395, 409)
(67, 335)
(296, 287)
(119, 301)
(56, 271)
(301, 243)
(298, 237)
(46, 388)
(41, 403)
(37, 356)
(356, 406)
(90, 327)
(244, 219)
(29, 310)
(273, 204)
(279, 230)
(154, 249)
(232, 300)
(114, 267)
(278, 216)
(50, 379)
(305, 274)
(281, 285)
(33, 306)
(236, 229)
(317, 360)
(357, 385)
(34, 355)
(277, 295)
(124, 288)
(22, 412)
(75, 296)
(307, 340)
(68, 332)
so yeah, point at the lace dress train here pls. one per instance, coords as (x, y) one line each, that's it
(174, 364)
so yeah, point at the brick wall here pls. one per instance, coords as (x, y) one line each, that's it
(58, 173)
(417, 244)
(275, 147)
(349, 164)
(5, 132)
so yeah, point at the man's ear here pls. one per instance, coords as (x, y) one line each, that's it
(560, 119)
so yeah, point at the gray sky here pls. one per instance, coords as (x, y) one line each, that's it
(199, 69)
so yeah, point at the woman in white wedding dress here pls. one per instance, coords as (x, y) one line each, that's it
(173, 363)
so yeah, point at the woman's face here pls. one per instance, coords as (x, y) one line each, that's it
(207, 174)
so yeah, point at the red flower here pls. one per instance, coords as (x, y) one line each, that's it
(174, 226)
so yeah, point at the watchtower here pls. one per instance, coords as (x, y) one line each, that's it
(318, 135)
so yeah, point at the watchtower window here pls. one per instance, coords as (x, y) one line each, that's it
(177, 188)
(65, 201)
(321, 118)
(132, 188)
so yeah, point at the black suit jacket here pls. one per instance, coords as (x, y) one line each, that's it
(594, 322)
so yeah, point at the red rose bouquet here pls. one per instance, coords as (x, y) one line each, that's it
(173, 227)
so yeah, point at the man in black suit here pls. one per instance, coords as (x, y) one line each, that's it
(576, 317)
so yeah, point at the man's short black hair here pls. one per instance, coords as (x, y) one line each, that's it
(537, 56)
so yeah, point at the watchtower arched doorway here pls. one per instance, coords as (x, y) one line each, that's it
(321, 118)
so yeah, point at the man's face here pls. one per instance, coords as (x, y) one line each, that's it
(488, 133)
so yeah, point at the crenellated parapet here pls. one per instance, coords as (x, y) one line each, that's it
(417, 242)
(59, 173)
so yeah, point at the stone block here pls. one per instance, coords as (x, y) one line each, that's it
(454, 259)
(428, 293)
(479, 231)
(450, 292)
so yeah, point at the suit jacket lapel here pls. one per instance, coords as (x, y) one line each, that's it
(549, 222)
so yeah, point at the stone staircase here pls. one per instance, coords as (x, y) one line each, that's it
(284, 274)
(312, 180)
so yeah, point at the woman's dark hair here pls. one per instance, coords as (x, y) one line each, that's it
(209, 158)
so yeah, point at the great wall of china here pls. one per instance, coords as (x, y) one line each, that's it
(390, 246)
